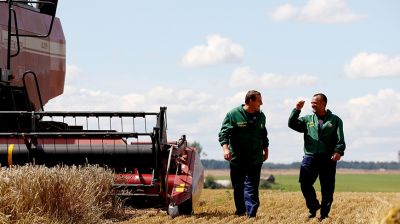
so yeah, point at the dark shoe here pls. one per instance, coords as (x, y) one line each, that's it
(313, 213)
(323, 217)
(240, 213)
(251, 216)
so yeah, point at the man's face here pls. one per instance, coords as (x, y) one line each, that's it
(317, 104)
(256, 104)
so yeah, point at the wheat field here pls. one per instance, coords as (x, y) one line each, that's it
(217, 206)
(36, 194)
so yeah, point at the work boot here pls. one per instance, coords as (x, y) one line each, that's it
(313, 213)
(323, 217)
(325, 211)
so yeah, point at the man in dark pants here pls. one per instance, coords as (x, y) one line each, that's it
(323, 146)
(244, 141)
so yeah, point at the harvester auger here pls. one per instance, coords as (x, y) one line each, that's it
(149, 171)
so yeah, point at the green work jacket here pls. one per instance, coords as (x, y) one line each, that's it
(247, 140)
(327, 139)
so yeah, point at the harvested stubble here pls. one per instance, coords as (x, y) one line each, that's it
(37, 194)
(217, 207)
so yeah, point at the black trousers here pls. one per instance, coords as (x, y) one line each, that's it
(245, 181)
(324, 167)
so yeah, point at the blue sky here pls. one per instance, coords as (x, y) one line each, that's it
(199, 58)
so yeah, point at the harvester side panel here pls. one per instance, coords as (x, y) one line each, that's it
(44, 56)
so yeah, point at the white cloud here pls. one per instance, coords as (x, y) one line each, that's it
(320, 11)
(181, 100)
(246, 77)
(132, 100)
(378, 111)
(373, 65)
(218, 50)
(279, 81)
(361, 141)
(72, 73)
(371, 126)
(284, 12)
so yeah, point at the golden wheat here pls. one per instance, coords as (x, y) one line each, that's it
(217, 206)
(37, 194)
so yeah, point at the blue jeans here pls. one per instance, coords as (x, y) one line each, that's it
(245, 181)
(312, 167)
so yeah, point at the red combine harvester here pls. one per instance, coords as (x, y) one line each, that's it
(149, 170)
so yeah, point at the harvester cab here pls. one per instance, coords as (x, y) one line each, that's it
(149, 170)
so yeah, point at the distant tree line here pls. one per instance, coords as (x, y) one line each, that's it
(369, 165)
(220, 164)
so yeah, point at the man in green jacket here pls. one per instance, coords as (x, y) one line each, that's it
(323, 146)
(244, 141)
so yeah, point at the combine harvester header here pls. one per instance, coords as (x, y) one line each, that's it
(149, 170)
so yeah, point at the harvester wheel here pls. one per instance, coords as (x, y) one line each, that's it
(186, 207)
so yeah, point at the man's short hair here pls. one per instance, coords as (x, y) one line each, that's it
(324, 98)
(251, 95)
